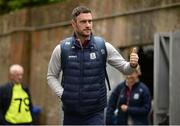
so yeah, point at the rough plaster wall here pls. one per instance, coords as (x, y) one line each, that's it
(43, 42)
(135, 28)
(4, 59)
(14, 45)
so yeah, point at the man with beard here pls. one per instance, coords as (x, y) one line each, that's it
(82, 59)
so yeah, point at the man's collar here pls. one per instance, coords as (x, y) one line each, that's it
(88, 39)
(86, 42)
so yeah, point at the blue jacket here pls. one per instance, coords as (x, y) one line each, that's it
(138, 108)
(5, 100)
(83, 79)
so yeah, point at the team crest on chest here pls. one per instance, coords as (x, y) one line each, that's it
(93, 55)
(136, 96)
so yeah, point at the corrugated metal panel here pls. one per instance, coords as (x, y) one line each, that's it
(166, 78)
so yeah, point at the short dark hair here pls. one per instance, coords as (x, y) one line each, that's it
(78, 10)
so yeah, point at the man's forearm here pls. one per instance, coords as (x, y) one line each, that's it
(55, 85)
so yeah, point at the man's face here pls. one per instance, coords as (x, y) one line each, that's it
(82, 24)
(17, 76)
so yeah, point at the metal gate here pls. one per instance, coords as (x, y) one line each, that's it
(167, 78)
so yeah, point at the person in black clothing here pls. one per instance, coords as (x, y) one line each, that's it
(15, 99)
(129, 103)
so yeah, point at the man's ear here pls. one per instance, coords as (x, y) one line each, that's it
(73, 23)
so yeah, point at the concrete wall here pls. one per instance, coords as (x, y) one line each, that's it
(28, 37)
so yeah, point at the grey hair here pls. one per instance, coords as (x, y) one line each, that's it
(78, 10)
(14, 68)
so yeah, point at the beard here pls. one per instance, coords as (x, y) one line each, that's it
(83, 33)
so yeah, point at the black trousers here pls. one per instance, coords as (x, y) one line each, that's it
(92, 119)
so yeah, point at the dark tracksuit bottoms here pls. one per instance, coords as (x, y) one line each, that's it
(92, 119)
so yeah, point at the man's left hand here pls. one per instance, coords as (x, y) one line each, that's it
(134, 58)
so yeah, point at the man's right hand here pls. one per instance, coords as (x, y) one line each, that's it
(134, 58)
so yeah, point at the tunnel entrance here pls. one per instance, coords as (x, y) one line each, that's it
(146, 62)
